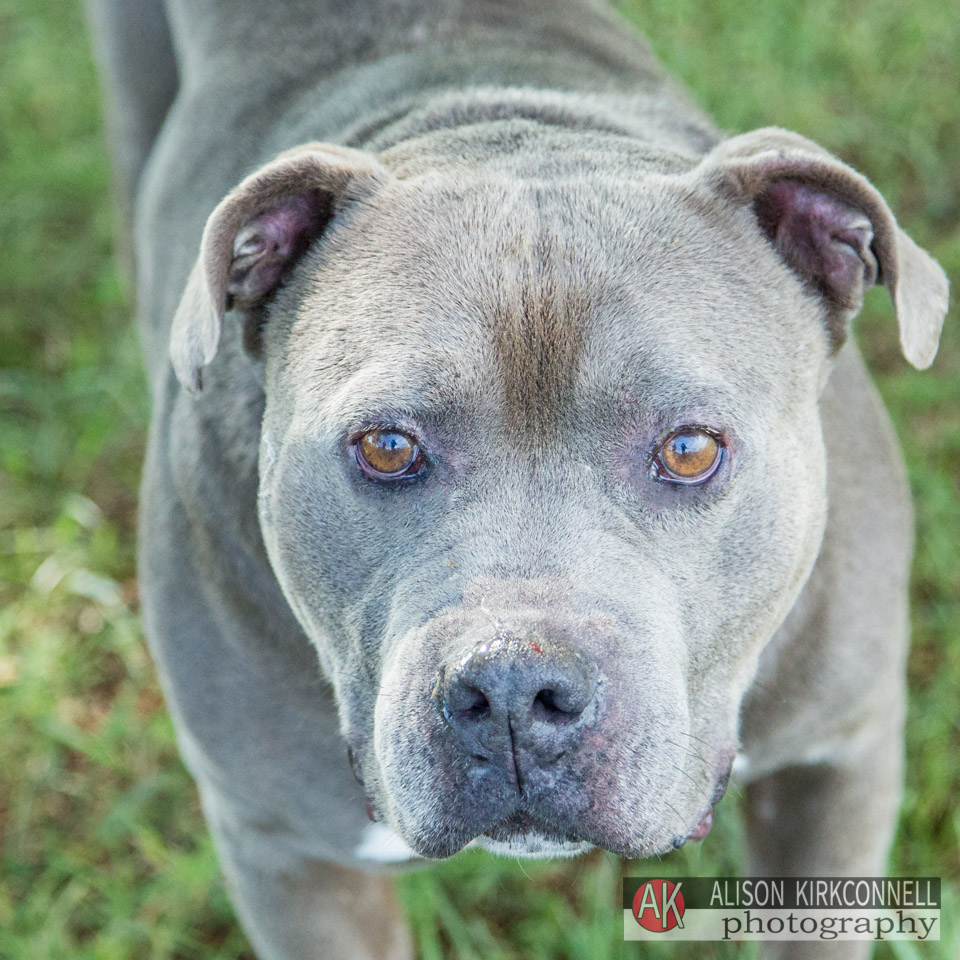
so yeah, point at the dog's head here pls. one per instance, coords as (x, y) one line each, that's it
(541, 468)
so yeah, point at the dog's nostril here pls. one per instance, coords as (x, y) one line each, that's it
(546, 700)
(553, 706)
(469, 703)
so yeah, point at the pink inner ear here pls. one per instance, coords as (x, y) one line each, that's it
(822, 238)
(270, 244)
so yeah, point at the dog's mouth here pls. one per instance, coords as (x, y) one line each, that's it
(525, 832)
(522, 835)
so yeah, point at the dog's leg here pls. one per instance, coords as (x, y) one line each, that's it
(828, 819)
(297, 907)
(139, 74)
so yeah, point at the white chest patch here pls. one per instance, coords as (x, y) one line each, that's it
(381, 844)
(532, 844)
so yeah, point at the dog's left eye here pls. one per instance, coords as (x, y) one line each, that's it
(688, 455)
(388, 454)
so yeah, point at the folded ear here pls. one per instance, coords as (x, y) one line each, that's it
(255, 235)
(833, 228)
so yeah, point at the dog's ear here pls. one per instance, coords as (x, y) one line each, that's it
(255, 235)
(833, 228)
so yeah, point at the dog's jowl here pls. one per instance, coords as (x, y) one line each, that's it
(511, 471)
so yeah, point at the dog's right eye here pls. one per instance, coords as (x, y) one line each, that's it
(689, 455)
(388, 454)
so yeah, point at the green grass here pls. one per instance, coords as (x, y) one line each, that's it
(103, 853)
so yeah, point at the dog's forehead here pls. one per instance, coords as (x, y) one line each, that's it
(531, 293)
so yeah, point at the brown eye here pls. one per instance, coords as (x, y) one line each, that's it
(688, 455)
(388, 454)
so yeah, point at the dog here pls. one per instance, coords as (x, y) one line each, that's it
(512, 476)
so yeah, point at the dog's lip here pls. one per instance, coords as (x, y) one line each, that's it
(703, 827)
(705, 823)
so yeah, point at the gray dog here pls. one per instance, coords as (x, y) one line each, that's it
(513, 472)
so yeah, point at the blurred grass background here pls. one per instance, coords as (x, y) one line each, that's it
(103, 853)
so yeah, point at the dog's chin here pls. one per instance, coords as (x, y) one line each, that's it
(520, 835)
(524, 829)
(511, 840)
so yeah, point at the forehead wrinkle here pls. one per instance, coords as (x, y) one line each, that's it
(403, 392)
(541, 301)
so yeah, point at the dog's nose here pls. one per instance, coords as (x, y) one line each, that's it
(513, 699)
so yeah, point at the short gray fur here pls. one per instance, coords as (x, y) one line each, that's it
(538, 256)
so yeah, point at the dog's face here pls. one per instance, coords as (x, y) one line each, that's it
(541, 470)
